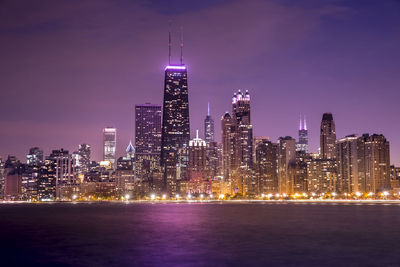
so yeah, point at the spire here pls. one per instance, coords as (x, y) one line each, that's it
(130, 149)
(208, 109)
(181, 45)
(169, 44)
(197, 134)
(300, 126)
(305, 123)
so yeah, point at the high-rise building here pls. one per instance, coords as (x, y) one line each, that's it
(35, 156)
(266, 166)
(373, 163)
(243, 129)
(62, 165)
(109, 144)
(147, 140)
(208, 127)
(197, 169)
(302, 144)
(175, 126)
(228, 145)
(12, 179)
(347, 162)
(84, 152)
(322, 175)
(328, 137)
(286, 159)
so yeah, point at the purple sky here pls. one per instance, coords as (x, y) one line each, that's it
(70, 68)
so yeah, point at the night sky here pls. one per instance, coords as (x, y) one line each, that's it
(70, 68)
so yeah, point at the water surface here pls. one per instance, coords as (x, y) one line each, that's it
(200, 234)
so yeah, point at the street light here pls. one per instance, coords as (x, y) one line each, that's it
(74, 197)
(127, 196)
(153, 196)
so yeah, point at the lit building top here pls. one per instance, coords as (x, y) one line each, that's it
(175, 67)
(239, 96)
(197, 141)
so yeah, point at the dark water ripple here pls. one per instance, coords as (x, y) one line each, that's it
(117, 234)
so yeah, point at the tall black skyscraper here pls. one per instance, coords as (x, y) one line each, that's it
(208, 127)
(175, 126)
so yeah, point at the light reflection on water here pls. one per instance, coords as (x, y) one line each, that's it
(201, 234)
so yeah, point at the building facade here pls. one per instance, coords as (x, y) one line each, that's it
(175, 127)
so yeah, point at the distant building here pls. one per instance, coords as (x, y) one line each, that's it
(347, 161)
(266, 166)
(12, 179)
(328, 137)
(373, 163)
(302, 144)
(147, 140)
(197, 169)
(208, 127)
(228, 146)
(109, 144)
(61, 167)
(35, 156)
(286, 159)
(84, 152)
(322, 175)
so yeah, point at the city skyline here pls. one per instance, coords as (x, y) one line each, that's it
(359, 105)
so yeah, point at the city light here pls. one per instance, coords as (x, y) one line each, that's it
(221, 196)
(189, 196)
(153, 196)
(164, 196)
(74, 197)
(127, 196)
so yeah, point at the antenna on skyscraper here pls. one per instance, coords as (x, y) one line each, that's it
(181, 45)
(169, 43)
(305, 123)
(208, 109)
(300, 126)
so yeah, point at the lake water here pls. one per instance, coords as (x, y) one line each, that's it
(200, 234)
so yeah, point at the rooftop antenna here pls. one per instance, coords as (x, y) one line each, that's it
(181, 45)
(300, 126)
(305, 123)
(169, 43)
(208, 109)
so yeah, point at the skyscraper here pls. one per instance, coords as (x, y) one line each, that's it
(197, 168)
(243, 128)
(347, 161)
(373, 163)
(266, 166)
(109, 144)
(328, 137)
(302, 144)
(147, 140)
(227, 145)
(84, 152)
(208, 127)
(175, 126)
(286, 160)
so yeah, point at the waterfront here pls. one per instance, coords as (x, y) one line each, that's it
(200, 234)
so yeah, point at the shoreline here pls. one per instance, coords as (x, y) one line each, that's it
(242, 201)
